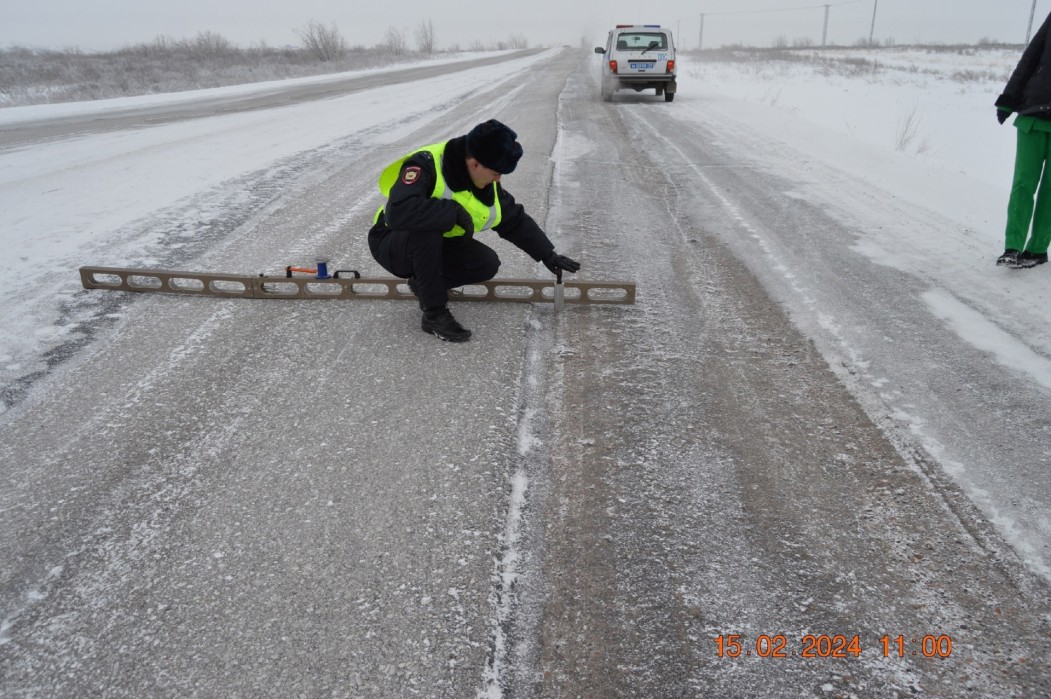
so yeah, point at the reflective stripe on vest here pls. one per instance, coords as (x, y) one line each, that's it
(484, 216)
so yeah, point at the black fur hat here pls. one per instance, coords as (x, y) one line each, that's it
(494, 146)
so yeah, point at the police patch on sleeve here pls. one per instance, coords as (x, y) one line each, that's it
(411, 175)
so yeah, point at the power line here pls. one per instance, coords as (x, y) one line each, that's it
(872, 28)
(826, 6)
(778, 9)
(1029, 31)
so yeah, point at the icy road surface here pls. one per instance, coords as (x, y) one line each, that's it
(236, 498)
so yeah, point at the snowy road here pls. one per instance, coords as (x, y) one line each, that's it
(230, 498)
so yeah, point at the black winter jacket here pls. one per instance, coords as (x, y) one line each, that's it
(1028, 91)
(410, 207)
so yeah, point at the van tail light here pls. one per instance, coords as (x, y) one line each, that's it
(671, 66)
(613, 67)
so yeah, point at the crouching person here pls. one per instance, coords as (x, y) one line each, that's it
(438, 197)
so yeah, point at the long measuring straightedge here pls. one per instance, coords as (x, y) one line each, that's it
(344, 288)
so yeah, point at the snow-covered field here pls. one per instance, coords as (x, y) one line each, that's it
(932, 105)
(929, 117)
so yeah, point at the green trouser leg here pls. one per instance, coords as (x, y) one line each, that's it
(1041, 235)
(1034, 149)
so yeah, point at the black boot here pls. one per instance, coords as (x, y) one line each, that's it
(1008, 259)
(439, 321)
(1028, 259)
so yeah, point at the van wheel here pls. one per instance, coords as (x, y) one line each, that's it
(607, 92)
(669, 96)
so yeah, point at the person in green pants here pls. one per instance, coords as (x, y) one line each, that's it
(1028, 92)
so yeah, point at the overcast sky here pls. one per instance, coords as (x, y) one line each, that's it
(105, 24)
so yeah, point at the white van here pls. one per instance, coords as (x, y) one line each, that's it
(638, 57)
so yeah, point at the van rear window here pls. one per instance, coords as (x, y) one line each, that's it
(642, 41)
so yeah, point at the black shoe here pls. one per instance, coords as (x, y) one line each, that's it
(414, 288)
(1031, 259)
(439, 321)
(1008, 259)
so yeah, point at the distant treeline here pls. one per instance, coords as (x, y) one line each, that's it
(34, 76)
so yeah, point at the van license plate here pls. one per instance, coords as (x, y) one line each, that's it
(640, 66)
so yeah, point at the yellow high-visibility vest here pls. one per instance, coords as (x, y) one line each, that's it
(484, 216)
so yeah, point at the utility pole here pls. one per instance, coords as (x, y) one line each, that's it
(1029, 31)
(872, 29)
(824, 32)
(700, 34)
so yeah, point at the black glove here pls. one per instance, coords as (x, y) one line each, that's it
(1004, 106)
(555, 262)
(464, 220)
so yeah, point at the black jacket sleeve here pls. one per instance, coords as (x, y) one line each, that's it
(519, 228)
(1034, 57)
(410, 206)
